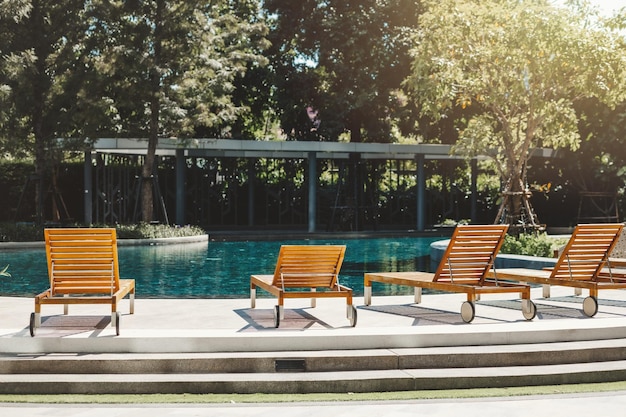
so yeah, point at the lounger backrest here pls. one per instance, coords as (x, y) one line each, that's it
(308, 266)
(470, 253)
(587, 251)
(82, 261)
(619, 250)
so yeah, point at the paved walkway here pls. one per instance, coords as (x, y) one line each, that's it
(605, 405)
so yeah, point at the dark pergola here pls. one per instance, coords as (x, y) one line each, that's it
(311, 151)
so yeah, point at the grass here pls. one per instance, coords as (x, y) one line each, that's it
(321, 397)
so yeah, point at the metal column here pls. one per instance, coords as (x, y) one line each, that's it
(421, 192)
(251, 182)
(88, 189)
(312, 180)
(180, 186)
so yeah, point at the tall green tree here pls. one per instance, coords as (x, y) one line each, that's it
(170, 67)
(345, 60)
(42, 72)
(517, 68)
(11, 12)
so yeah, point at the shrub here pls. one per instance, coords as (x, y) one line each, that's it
(20, 232)
(153, 231)
(540, 244)
(27, 232)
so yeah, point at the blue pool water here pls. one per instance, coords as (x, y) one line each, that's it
(223, 269)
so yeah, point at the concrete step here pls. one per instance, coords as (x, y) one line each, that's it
(310, 382)
(316, 371)
(318, 361)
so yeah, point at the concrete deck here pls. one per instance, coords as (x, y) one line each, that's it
(230, 325)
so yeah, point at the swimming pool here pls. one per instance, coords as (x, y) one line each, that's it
(223, 269)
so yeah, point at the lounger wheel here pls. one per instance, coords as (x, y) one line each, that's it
(590, 306)
(31, 326)
(276, 316)
(468, 311)
(529, 309)
(352, 316)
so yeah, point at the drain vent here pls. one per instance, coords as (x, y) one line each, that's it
(290, 365)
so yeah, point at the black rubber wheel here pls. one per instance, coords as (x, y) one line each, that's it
(529, 311)
(590, 306)
(276, 316)
(32, 325)
(468, 311)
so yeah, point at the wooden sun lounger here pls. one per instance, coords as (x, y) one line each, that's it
(83, 269)
(302, 270)
(463, 267)
(583, 264)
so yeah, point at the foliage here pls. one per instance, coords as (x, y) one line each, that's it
(184, 54)
(600, 163)
(154, 231)
(344, 59)
(20, 232)
(514, 70)
(29, 232)
(42, 75)
(532, 244)
(10, 11)
(452, 222)
(75, 69)
(170, 67)
(13, 177)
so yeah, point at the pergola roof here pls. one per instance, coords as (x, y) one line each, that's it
(284, 149)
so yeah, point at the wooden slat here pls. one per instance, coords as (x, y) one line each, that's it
(586, 252)
(82, 261)
(470, 254)
(300, 269)
(311, 266)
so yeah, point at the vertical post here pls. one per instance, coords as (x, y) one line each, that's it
(88, 189)
(180, 186)
(474, 190)
(312, 181)
(251, 181)
(421, 191)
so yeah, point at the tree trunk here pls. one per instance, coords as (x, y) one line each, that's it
(147, 199)
(515, 207)
(39, 87)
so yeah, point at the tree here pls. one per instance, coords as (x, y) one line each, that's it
(43, 70)
(11, 12)
(517, 68)
(170, 67)
(345, 60)
(337, 69)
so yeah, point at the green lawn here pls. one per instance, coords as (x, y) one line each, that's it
(283, 398)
